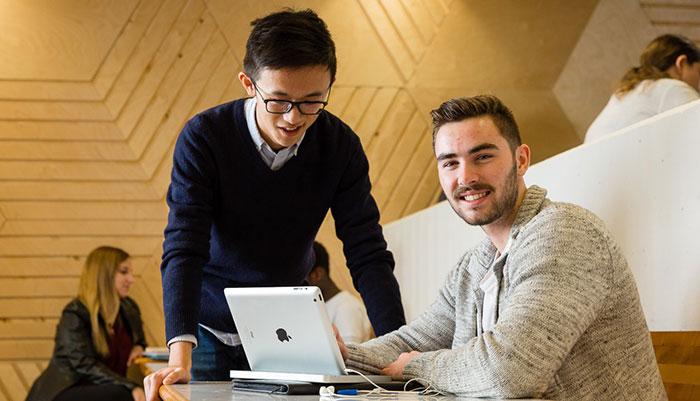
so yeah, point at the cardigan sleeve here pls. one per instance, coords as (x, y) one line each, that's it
(432, 330)
(371, 264)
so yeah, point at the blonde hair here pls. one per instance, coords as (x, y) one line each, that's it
(659, 56)
(99, 295)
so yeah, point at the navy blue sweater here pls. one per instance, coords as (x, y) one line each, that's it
(234, 222)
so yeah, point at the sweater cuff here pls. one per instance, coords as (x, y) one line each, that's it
(359, 359)
(420, 367)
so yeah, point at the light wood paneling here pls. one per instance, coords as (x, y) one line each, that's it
(46, 43)
(123, 48)
(11, 385)
(678, 355)
(28, 329)
(69, 210)
(48, 91)
(374, 115)
(53, 111)
(22, 308)
(38, 287)
(358, 104)
(392, 41)
(174, 55)
(83, 228)
(140, 60)
(26, 350)
(59, 130)
(176, 103)
(66, 150)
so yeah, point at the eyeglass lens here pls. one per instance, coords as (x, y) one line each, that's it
(282, 106)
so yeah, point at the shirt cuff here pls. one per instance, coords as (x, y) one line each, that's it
(184, 337)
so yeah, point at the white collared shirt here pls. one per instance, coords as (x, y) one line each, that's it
(490, 286)
(274, 160)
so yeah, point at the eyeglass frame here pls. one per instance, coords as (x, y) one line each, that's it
(291, 104)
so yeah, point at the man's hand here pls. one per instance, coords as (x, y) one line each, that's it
(178, 370)
(136, 352)
(395, 368)
(341, 343)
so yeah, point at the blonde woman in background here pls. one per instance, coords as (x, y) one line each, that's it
(669, 76)
(99, 335)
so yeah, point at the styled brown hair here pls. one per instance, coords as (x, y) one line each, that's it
(659, 56)
(97, 292)
(289, 39)
(463, 108)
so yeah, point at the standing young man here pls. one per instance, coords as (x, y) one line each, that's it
(545, 307)
(252, 181)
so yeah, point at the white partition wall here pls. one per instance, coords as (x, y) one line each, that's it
(643, 181)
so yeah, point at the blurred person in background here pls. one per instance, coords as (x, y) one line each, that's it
(345, 310)
(99, 335)
(668, 76)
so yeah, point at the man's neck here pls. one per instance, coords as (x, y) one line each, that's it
(499, 231)
(498, 236)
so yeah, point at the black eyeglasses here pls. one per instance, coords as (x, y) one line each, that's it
(277, 106)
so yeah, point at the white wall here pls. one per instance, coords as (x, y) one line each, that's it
(643, 181)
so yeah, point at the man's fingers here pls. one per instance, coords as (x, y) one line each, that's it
(167, 375)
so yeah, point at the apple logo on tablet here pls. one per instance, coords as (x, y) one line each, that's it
(282, 335)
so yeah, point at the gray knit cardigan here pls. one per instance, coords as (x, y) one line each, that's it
(570, 324)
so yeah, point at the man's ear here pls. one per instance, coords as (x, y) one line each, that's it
(315, 274)
(522, 159)
(247, 83)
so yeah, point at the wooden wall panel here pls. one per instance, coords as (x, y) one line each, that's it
(142, 57)
(10, 383)
(86, 161)
(173, 56)
(678, 355)
(123, 48)
(174, 102)
(393, 42)
(59, 130)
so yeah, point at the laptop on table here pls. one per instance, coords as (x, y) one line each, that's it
(287, 336)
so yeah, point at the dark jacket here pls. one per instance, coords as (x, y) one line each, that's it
(74, 357)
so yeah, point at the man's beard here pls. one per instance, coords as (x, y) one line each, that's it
(502, 205)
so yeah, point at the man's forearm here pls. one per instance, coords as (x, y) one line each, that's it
(181, 354)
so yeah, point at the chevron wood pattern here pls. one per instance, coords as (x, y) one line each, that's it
(675, 16)
(89, 118)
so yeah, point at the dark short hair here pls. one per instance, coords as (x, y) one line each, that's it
(321, 256)
(289, 39)
(463, 108)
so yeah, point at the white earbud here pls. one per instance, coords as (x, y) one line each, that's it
(326, 390)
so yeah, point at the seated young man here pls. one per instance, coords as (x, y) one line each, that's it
(546, 306)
